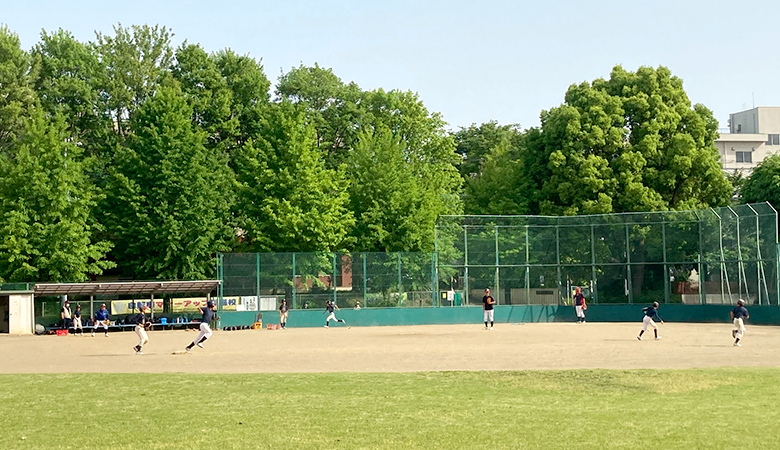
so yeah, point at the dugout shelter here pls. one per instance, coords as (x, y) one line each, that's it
(17, 302)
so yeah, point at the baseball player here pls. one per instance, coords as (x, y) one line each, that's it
(329, 307)
(487, 308)
(77, 321)
(141, 325)
(205, 328)
(738, 315)
(101, 320)
(650, 313)
(579, 304)
(283, 312)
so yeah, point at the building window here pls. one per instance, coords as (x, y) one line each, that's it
(773, 139)
(744, 157)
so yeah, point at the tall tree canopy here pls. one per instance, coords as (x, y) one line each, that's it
(46, 202)
(287, 199)
(630, 143)
(491, 169)
(168, 197)
(354, 126)
(17, 95)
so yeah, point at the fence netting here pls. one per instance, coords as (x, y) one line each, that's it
(710, 256)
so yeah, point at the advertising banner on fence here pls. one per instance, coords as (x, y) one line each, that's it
(188, 304)
(123, 307)
(229, 303)
(267, 303)
(247, 303)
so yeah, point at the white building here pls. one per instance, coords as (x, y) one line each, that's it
(753, 135)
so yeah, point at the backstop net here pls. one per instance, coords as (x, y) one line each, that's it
(710, 256)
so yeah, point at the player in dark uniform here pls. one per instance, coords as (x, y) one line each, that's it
(738, 315)
(205, 328)
(487, 309)
(579, 304)
(650, 313)
(141, 325)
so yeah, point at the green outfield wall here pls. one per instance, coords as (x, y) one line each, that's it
(759, 315)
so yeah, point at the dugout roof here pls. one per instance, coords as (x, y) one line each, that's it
(126, 287)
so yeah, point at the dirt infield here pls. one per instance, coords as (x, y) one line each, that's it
(398, 349)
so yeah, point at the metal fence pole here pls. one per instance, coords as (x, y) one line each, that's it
(594, 281)
(434, 279)
(629, 281)
(496, 280)
(294, 276)
(365, 283)
(257, 272)
(558, 259)
(334, 278)
(667, 285)
(399, 278)
(466, 265)
(760, 260)
(702, 286)
(527, 268)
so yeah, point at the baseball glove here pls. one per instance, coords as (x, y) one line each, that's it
(147, 325)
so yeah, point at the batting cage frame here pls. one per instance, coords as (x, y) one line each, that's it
(708, 256)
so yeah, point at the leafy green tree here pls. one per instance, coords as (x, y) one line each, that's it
(16, 89)
(427, 150)
(137, 59)
(630, 143)
(169, 196)
(498, 188)
(476, 142)
(287, 199)
(392, 207)
(763, 184)
(491, 169)
(357, 125)
(69, 80)
(334, 107)
(46, 224)
(249, 89)
(207, 92)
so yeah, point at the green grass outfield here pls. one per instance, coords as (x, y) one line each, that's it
(573, 409)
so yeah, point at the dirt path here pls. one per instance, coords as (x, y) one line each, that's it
(398, 349)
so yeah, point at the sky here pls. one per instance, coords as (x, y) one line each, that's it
(471, 61)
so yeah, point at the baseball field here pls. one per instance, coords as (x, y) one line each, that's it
(555, 385)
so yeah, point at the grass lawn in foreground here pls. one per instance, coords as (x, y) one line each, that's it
(574, 409)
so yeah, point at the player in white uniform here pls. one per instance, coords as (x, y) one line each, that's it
(141, 324)
(101, 320)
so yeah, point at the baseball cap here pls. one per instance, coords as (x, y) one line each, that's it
(210, 304)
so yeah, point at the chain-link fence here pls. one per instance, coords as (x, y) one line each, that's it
(712, 256)
(308, 280)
